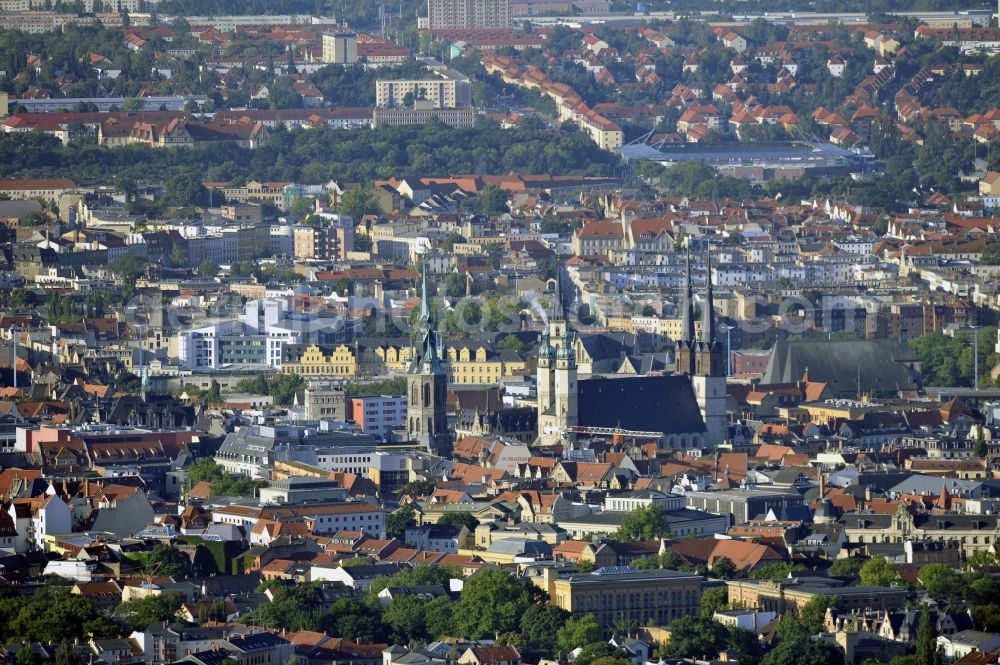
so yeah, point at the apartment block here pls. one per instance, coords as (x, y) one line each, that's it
(449, 14)
(325, 243)
(458, 118)
(340, 48)
(449, 90)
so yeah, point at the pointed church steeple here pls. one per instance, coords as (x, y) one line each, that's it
(687, 308)
(708, 315)
(425, 310)
(427, 384)
(427, 358)
(684, 353)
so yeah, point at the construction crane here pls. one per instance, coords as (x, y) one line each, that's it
(612, 431)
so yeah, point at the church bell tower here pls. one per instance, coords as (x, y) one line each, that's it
(704, 359)
(556, 377)
(427, 385)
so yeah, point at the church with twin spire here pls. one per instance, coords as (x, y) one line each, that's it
(687, 408)
(703, 360)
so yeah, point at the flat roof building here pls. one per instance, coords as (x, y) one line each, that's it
(744, 504)
(647, 597)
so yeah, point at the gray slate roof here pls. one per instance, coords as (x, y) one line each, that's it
(884, 365)
(646, 403)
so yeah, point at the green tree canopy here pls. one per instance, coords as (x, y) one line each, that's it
(926, 642)
(398, 521)
(223, 484)
(208, 268)
(314, 155)
(416, 489)
(799, 650)
(406, 618)
(439, 616)
(138, 613)
(577, 633)
(21, 298)
(745, 644)
(696, 637)
(492, 602)
(128, 267)
(813, 613)
(596, 652)
(941, 581)
(723, 568)
(299, 607)
(611, 660)
(540, 627)
(460, 518)
(169, 561)
(491, 200)
(644, 523)
(53, 614)
(713, 600)
(421, 575)
(357, 203)
(282, 387)
(879, 572)
(775, 570)
(185, 189)
(847, 567)
(991, 254)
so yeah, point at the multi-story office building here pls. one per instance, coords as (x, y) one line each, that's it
(254, 450)
(260, 337)
(450, 14)
(378, 415)
(791, 594)
(392, 470)
(297, 490)
(340, 48)
(320, 518)
(464, 118)
(743, 504)
(324, 400)
(646, 597)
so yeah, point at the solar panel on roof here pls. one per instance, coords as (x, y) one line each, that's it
(613, 570)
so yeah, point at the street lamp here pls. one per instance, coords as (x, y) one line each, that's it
(729, 350)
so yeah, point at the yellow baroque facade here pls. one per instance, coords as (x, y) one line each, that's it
(466, 365)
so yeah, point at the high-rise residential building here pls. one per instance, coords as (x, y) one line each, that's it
(450, 14)
(340, 48)
(323, 243)
(449, 89)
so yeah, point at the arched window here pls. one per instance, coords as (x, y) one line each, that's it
(427, 394)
